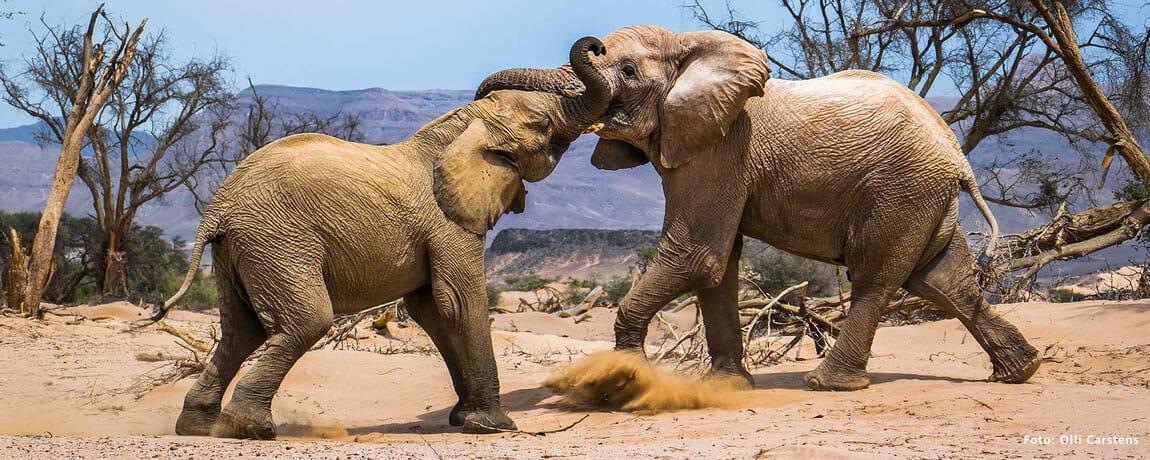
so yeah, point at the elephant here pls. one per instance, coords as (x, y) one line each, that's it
(310, 226)
(851, 169)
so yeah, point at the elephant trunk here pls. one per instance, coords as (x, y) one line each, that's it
(560, 80)
(592, 104)
(587, 90)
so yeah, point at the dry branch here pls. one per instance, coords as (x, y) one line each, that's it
(587, 303)
(195, 343)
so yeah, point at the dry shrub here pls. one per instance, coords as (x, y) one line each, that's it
(626, 381)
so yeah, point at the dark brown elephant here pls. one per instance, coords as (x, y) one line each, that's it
(310, 226)
(851, 169)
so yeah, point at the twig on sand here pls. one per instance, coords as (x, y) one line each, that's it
(429, 446)
(535, 433)
(980, 402)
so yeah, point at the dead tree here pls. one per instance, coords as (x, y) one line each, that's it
(94, 74)
(153, 134)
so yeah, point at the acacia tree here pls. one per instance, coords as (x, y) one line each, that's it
(145, 143)
(95, 74)
(159, 131)
(1014, 65)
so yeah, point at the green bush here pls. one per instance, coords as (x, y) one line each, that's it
(529, 282)
(493, 293)
(617, 287)
(1059, 295)
(201, 295)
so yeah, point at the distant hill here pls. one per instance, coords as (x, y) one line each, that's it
(576, 195)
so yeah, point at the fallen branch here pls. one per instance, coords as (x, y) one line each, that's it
(349, 322)
(775, 300)
(197, 344)
(587, 303)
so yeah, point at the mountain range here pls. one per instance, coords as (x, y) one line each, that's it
(575, 196)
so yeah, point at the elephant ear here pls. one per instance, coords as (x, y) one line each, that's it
(611, 154)
(474, 185)
(717, 74)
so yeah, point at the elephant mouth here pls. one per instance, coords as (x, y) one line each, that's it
(616, 117)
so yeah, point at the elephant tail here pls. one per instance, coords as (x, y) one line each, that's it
(208, 231)
(971, 186)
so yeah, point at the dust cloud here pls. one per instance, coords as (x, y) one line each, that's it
(626, 381)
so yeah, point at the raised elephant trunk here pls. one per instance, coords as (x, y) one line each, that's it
(586, 87)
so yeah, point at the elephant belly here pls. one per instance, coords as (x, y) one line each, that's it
(817, 232)
(360, 276)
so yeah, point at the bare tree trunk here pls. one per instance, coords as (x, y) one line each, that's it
(114, 283)
(17, 275)
(91, 96)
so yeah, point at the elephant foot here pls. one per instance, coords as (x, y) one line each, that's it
(821, 379)
(478, 422)
(739, 378)
(253, 423)
(196, 421)
(1020, 374)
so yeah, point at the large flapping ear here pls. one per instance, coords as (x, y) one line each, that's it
(718, 73)
(473, 184)
(611, 154)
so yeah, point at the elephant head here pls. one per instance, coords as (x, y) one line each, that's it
(514, 136)
(696, 82)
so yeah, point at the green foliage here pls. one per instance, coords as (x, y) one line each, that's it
(773, 271)
(1060, 295)
(617, 287)
(528, 282)
(1132, 191)
(646, 255)
(493, 293)
(155, 267)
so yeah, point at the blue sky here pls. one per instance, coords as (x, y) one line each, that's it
(343, 44)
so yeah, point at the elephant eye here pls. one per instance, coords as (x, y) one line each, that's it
(629, 71)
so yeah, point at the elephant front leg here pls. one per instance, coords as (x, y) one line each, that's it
(699, 231)
(454, 314)
(720, 308)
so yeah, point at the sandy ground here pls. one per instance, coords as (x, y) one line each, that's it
(69, 387)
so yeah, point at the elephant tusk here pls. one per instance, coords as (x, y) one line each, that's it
(570, 94)
(593, 128)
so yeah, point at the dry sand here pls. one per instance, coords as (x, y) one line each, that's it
(69, 385)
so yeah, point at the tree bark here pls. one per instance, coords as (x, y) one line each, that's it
(98, 80)
(17, 275)
(114, 282)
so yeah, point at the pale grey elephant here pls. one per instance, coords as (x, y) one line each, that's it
(310, 226)
(851, 169)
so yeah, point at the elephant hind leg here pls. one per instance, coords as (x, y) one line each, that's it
(240, 334)
(296, 313)
(949, 282)
(879, 265)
